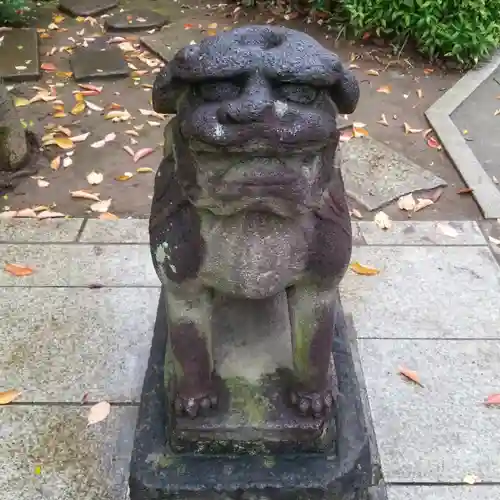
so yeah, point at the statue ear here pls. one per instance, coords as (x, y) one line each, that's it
(166, 92)
(345, 92)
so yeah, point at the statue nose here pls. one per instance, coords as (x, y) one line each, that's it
(253, 105)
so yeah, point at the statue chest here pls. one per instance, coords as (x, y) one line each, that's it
(253, 254)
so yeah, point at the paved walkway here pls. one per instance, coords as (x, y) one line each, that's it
(433, 308)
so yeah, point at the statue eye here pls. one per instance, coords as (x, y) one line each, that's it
(218, 91)
(296, 92)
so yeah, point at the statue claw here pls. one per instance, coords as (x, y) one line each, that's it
(192, 407)
(318, 403)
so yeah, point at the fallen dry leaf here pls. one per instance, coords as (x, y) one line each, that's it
(94, 178)
(383, 120)
(420, 94)
(108, 216)
(92, 88)
(47, 214)
(78, 108)
(142, 153)
(85, 195)
(471, 479)
(410, 375)
(364, 270)
(48, 67)
(144, 170)
(373, 72)
(98, 412)
(93, 107)
(407, 203)
(43, 183)
(124, 177)
(81, 137)
(26, 213)
(385, 89)
(67, 162)
(465, 191)
(359, 132)
(9, 396)
(19, 102)
(55, 163)
(495, 241)
(62, 142)
(17, 270)
(422, 203)
(492, 400)
(98, 144)
(410, 130)
(101, 206)
(382, 220)
(432, 142)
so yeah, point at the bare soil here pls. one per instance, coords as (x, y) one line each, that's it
(413, 84)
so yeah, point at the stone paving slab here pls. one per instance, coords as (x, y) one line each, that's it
(60, 343)
(49, 452)
(119, 231)
(375, 175)
(426, 292)
(39, 231)
(422, 233)
(442, 432)
(88, 64)
(19, 55)
(134, 20)
(80, 265)
(476, 492)
(86, 8)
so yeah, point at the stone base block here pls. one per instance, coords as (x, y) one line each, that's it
(342, 473)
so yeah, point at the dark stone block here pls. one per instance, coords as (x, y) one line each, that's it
(86, 8)
(345, 472)
(135, 20)
(19, 55)
(88, 63)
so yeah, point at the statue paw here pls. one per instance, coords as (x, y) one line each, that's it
(318, 404)
(193, 406)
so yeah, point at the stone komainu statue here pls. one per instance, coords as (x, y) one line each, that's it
(248, 200)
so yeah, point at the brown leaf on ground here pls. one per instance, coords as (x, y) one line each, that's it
(423, 203)
(98, 412)
(78, 108)
(48, 67)
(492, 400)
(363, 270)
(466, 190)
(385, 89)
(85, 195)
(142, 153)
(410, 130)
(108, 216)
(383, 120)
(410, 375)
(372, 72)
(17, 270)
(101, 206)
(94, 178)
(407, 203)
(55, 163)
(382, 220)
(9, 396)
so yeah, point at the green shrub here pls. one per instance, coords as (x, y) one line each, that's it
(464, 30)
(16, 12)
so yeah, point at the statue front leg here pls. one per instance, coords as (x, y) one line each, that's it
(189, 309)
(313, 311)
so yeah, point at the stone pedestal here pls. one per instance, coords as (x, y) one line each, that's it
(335, 463)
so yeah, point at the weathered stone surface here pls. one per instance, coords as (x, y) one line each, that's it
(99, 340)
(86, 8)
(19, 55)
(456, 233)
(135, 20)
(443, 431)
(119, 231)
(88, 63)
(491, 230)
(156, 473)
(50, 452)
(39, 231)
(375, 175)
(246, 209)
(444, 492)
(415, 286)
(80, 265)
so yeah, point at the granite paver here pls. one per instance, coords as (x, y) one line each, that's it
(482, 492)
(425, 292)
(433, 308)
(63, 343)
(443, 431)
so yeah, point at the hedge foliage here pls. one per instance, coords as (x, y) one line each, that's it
(464, 30)
(16, 12)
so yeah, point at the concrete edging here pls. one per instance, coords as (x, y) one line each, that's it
(486, 194)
